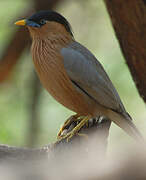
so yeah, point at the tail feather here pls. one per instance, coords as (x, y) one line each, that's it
(124, 121)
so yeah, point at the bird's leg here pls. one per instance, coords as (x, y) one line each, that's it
(67, 124)
(76, 129)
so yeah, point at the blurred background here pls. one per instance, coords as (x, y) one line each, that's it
(29, 116)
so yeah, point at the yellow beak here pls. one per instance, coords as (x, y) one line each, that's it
(21, 22)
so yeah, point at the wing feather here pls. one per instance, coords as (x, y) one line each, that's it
(86, 71)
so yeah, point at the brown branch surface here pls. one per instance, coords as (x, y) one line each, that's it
(129, 22)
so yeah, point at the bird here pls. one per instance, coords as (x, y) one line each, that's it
(72, 74)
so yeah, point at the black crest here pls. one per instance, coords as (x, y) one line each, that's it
(50, 16)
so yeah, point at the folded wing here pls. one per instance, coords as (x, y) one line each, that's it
(88, 74)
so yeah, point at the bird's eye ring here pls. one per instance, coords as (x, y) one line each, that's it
(42, 21)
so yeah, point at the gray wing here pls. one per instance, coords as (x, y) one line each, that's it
(88, 74)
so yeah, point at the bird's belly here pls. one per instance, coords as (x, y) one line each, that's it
(55, 79)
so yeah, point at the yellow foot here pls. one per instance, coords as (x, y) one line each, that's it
(76, 129)
(67, 123)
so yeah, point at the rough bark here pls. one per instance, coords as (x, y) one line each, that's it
(129, 21)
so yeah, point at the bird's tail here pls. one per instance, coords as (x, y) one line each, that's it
(124, 121)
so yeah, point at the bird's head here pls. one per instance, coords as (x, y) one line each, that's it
(45, 22)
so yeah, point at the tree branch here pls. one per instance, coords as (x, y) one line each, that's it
(129, 22)
(99, 131)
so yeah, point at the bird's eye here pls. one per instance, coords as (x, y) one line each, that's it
(42, 21)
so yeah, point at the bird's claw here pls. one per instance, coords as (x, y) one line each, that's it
(66, 127)
(74, 131)
(70, 135)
